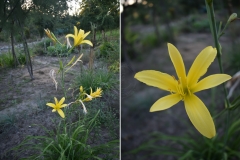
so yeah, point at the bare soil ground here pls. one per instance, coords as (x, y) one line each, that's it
(136, 121)
(23, 101)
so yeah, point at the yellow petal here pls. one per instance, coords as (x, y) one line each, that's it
(76, 41)
(51, 105)
(60, 112)
(70, 35)
(177, 62)
(63, 105)
(86, 34)
(201, 64)
(54, 110)
(165, 102)
(61, 101)
(199, 116)
(81, 33)
(56, 101)
(87, 42)
(157, 79)
(75, 31)
(210, 82)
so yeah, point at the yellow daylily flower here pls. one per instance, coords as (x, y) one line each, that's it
(57, 106)
(185, 87)
(97, 93)
(79, 37)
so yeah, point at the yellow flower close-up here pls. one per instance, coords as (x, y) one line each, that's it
(79, 37)
(57, 106)
(185, 86)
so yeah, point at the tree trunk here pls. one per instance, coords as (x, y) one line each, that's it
(16, 62)
(26, 50)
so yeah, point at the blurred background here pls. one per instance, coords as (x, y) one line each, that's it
(146, 27)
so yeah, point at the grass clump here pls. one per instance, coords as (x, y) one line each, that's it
(96, 78)
(6, 59)
(69, 142)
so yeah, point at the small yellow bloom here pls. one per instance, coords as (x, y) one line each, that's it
(81, 89)
(79, 37)
(185, 87)
(57, 106)
(95, 94)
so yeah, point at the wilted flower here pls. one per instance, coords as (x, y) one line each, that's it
(49, 34)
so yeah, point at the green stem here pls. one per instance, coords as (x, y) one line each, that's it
(216, 41)
(220, 113)
(63, 85)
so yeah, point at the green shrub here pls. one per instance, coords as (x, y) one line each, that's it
(39, 49)
(6, 59)
(195, 23)
(109, 52)
(105, 49)
(98, 78)
(150, 41)
(57, 50)
(114, 67)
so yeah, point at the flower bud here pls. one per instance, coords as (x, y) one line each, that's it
(232, 17)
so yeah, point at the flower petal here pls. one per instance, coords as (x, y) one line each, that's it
(210, 82)
(61, 113)
(177, 62)
(165, 102)
(56, 101)
(51, 105)
(63, 105)
(87, 42)
(201, 64)
(54, 110)
(81, 33)
(62, 100)
(199, 116)
(70, 35)
(86, 34)
(157, 79)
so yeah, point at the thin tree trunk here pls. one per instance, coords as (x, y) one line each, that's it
(16, 62)
(26, 50)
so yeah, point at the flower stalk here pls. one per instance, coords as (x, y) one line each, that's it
(219, 54)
